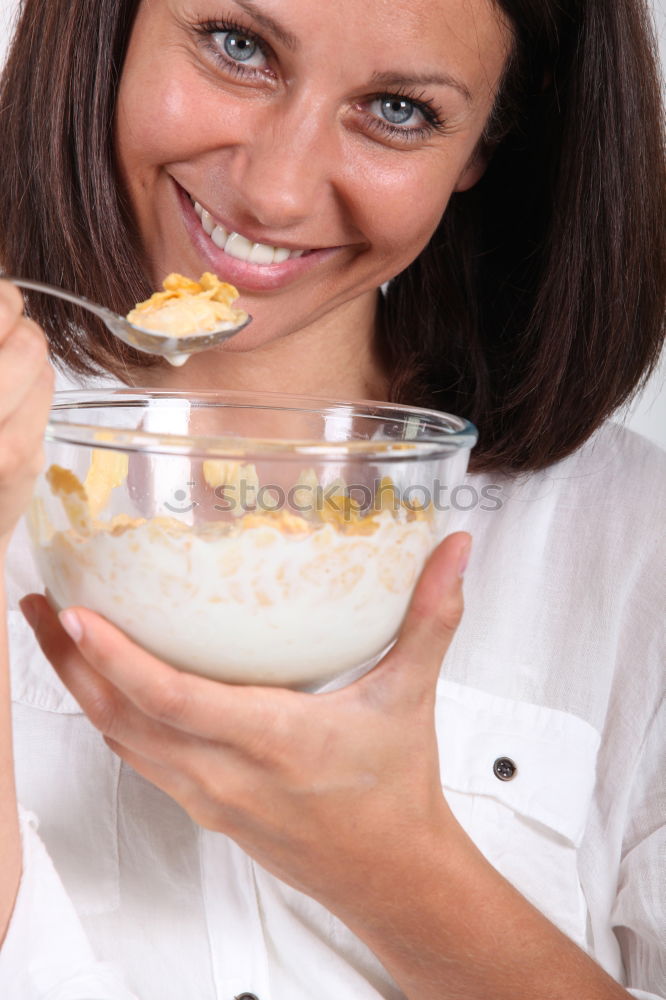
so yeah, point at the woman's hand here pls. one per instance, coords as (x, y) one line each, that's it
(337, 794)
(320, 789)
(26, 389)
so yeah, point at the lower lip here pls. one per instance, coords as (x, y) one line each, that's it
(245, 275)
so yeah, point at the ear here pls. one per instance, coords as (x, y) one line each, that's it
(474, 169)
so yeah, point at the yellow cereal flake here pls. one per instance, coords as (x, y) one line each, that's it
(108, 469)
(362, 526)
(67, 486)
(388, 498)
(339, 509)
(169, 525)
(241, 482)
(283, 520)
(178, 284)
(119, 524)
(187, 307)
(218, 473)
(306, 489)
(419, 512)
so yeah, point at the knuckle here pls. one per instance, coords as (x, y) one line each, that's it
(233, 798)
(420, 609)
(101, 711)
(214, 792)
(207, 797)
(449, 617)
(273, 740)
(200, 810)
(169, 702)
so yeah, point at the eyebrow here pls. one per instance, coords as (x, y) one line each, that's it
(423, 80)
(288, 40)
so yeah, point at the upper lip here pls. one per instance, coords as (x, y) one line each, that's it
(253, 234)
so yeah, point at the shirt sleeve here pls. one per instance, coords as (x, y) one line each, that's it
(639, 915)
(46, 955)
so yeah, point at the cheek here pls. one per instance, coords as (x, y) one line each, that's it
(168, 113)
(157, 123)
(403, 207)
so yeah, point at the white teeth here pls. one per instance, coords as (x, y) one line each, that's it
(219, 236)
(207, 222)
(261, 254)
(239, 247)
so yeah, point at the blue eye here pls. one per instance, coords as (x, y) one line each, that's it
(241, 48)
(397, 110)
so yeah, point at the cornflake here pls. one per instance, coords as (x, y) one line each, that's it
(187, 307)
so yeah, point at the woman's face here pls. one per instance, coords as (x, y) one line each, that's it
(323, 140)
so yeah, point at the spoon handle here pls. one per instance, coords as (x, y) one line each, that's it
(59, 293)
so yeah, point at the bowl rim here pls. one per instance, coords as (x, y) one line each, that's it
(448, 434)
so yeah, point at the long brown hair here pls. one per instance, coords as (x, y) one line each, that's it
(536, 310)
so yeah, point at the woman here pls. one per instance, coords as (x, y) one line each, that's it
(503, 165)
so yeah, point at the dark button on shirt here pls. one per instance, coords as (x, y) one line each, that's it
(504, 769)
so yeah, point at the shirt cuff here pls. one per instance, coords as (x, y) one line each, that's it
(46, 955)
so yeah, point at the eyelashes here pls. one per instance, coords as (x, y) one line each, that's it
(207, 30)
(432, 119)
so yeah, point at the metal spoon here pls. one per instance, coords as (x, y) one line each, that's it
(148, 341)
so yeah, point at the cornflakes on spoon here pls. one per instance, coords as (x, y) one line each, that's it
(187, 307)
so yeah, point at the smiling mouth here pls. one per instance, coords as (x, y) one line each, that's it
(239, 246)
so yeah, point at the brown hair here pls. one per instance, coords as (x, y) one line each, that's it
(538, 306)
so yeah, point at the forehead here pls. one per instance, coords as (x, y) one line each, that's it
(416, 20)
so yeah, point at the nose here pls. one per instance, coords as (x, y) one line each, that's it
(281, 171)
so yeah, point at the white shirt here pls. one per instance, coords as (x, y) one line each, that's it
(557, 665)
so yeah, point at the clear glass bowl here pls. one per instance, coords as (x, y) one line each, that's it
(251, 538)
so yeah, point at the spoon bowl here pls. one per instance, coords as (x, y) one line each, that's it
(176, 350)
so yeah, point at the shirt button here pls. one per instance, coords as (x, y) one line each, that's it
(504, 769)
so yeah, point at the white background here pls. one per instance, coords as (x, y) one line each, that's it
(648, 412)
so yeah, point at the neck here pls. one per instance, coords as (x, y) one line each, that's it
(340, 356)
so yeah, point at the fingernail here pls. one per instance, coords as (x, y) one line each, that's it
(464, 558)
(71, 624)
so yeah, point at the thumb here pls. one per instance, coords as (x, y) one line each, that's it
(434, 613)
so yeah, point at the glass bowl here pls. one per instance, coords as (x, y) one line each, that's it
(251, 538)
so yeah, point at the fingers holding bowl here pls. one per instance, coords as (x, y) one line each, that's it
(193, 705)
(105, 704)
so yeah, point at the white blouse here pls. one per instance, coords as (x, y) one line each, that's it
(557, 666)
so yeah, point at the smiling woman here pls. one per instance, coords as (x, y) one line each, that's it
(298, 154)
(331, 141)
(456, 204)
